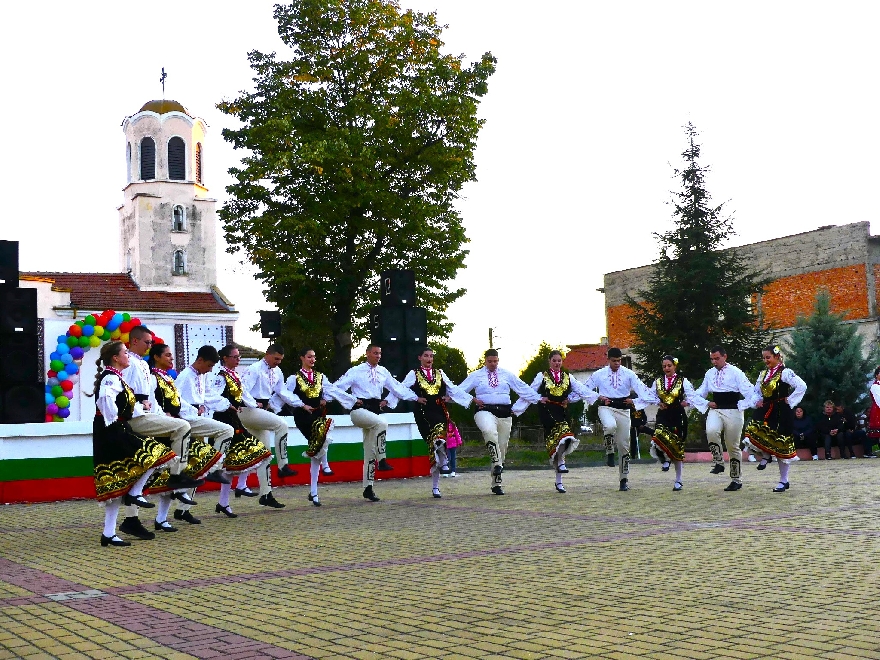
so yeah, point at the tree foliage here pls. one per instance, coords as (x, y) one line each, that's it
(698, 295)
(828, 355)
(357, 146)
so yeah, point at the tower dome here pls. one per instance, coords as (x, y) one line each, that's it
(163, 106)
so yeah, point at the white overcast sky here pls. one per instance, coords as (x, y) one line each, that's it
(583, 128)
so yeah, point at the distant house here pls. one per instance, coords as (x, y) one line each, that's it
(582, 360)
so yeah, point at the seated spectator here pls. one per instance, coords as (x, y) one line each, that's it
(829, 428)
(804, 431)
(846, 439)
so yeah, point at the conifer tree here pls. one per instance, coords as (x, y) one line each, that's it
(698, 295)
(828, 355)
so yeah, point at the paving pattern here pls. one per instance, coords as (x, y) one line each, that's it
(593, 573)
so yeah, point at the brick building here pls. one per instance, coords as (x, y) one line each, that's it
(843, 259)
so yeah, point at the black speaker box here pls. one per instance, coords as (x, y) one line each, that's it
(397, 287)
(388, 324)
(400, 357)
(22, 404)
(8, 264)
(19, 359)
(416, 324)
(18, 311)
(270, 324)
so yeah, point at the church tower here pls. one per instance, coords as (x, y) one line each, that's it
(168, 224)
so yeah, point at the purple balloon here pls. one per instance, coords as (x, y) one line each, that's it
(77, 353)
(52, 409)
(64, 413)
(68, 394)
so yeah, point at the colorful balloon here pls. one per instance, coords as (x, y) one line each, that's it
(126, 316)
(88, 330)
(84, 342)
(72, 368)
(123, 337)
(66, 385)
(49, 418)
(72, 341)
(52, 409)
(94, 341)
(62, 376)
(57, 391)
(67, 358)
(115, 335)
(64, 413)
(54, 355)
(63, 347)
(90, 320)
(99, 330)
(77, 353)
(49, 398)
(56, 365)
(62, 401)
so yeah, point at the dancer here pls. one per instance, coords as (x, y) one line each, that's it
(615, 384)
(434, 390)
(191, 389)
(123, 459)
(557, 389)
(246, 454)
(492, 386)
(724, 421)
(672, 393)
(874, 411)
(307, 393)
(777, 390)
(261, 382)
(367, 382)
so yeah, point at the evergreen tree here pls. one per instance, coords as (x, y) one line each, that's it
(827, 354)
(698, 295)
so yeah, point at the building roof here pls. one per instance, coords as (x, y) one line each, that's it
(586, 357)
(163, 106)
(100, 291)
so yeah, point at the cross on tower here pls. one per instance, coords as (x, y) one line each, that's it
(162, 80)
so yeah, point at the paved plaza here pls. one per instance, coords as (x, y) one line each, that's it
(593, 573)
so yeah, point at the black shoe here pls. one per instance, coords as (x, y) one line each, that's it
(314, 500)
(180, 481)
(225, 510)
(384, 466)
(560, 488)
(665, 467)
(186, 516)
(137, 500)
(733, 486)
(781, 489)
(287, 471)
(829, 458)
(624, 485)
(762, 465)
(561, 469)
(677, 487)
(183, 498)
(164, 526)
(241, 492)
(327, 472)
(609, 460)
(717, 469)
(370, 495)
(218, 477)
(435, 493)
(445, 470)
(497, 470)
(135, 527)
(497, 490)
(269, 500)
(113, 540)
(786, 485)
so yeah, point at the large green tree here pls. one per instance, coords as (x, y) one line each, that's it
(357, 146)
(698, 295)
(829, 356)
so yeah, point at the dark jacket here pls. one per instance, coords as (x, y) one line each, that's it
(803, 426)
(848, 419)
(829, 422)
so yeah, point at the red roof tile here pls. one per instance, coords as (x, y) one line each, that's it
(100, 291)
(586, 357)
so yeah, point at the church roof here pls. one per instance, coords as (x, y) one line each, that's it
(163, 106)
(100, 291)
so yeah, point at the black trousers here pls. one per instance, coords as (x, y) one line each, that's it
(807, 440)
(843, 443)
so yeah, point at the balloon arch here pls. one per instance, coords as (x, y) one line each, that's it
(66, 359)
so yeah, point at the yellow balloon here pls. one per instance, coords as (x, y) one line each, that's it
(123, 337)
(116, 334)
(98, 331)
(94, 341)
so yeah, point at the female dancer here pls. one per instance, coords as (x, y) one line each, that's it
(307, 392)
(246, 453)
(557, 389)
(672, 393)
(123, 460)
(434, 390)
(874, 412)
(777, 390)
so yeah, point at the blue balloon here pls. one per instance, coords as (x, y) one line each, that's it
(62, 348)
(62, 375)
(52, 382)
(172, 373)
(114, 322)
(71, 368)
(64, 412)
(62, 339)
(88, 330)
(67, 358)
(49, 398)
(54, 356)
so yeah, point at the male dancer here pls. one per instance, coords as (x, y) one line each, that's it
(492, 386)
(367, 381)
(155, 424)
(192, 384)
(725, 417)
(261, 382)
(615, 384)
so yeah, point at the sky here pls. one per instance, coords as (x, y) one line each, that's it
(575, 163)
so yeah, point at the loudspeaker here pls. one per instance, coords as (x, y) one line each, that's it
(400, 357)
(18, 311)
(19, 359)
(416, 324)
(22, 404)
(387, 325)
(8, 264)
(270, 324)
(397, 287)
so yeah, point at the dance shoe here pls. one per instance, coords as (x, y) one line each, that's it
(287, 471)
(269, 500)
(137, 500)
(314, 500)
(560, 488)
(435, 492)
(370, 495)
(225, 510)
(176, 481)
(781, 488)
(733, 486)
(677, 487)
(132, 525)
(624, 485)
(113, 540)
(245, 492)
(384, 466)
(183, 498)
(717, 469)
(762, 465)
(163, 526)
(218, 477)
(328, 472)
(497, 490)
(445, 470)
(561, 469)
(665, 466)
(187, 517)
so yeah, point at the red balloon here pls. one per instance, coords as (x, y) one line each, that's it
(49, 418)
(157, 340)
(66, 385)
(125, 326)
(135, 321)
(108, 313)
(51, 374)
(75, 331)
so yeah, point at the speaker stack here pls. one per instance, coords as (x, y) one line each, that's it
(397, 325)
(21, 395)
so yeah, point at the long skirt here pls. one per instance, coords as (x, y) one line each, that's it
(670, 434)
(121, 457)
(772, 434)
(433, 422)
(558, 437)
(315, 427)
(245, 452)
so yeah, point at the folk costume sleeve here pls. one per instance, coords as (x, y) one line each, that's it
(798, 385)
(454, 392)
(694, 399)
(521, 404)
(110, 388)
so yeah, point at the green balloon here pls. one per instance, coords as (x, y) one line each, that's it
(57, 391)
(106, 335)
(90, 320)
(84, 342)
(126, 316)
(80, 323)
(56, 365)
(72, 341)
(62, 402)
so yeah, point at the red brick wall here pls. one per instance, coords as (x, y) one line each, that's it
(619, 325)
(787, 298)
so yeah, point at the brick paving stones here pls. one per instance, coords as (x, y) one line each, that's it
(593, 573)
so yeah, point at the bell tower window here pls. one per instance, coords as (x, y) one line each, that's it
(198, 162)
(178, 218)
(128, 162)
(179, 262)
(148, 159)
(176, 159)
